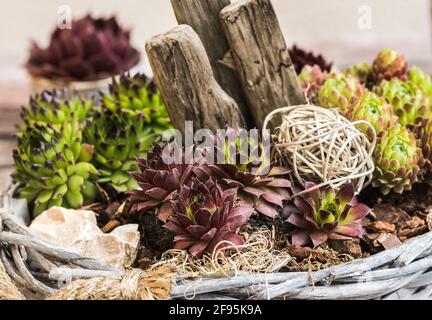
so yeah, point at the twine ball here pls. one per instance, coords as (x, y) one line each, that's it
(322, 146)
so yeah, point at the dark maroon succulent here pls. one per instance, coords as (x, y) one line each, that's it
(160, 179)
(325, 214)
(247, 167)
(92, 49)
(302, 58)
(206, 218)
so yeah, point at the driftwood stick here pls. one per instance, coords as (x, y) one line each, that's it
(203, 17)
(73, 274)
(261, 57)
(51, 250)
(185, 77)
(12, 272)
(34, 284)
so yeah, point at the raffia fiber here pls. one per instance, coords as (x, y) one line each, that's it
(135, 285)
(8, 290)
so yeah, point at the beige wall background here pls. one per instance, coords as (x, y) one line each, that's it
(330, 26)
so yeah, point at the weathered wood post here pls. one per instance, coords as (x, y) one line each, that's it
(183, 72)
(203, 17)
(261, 57)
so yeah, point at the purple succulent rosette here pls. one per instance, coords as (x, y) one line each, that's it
(325, 214)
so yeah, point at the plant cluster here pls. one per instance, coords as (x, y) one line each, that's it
(206, 203)
(396, 101)
(91, 49)
(66, 144)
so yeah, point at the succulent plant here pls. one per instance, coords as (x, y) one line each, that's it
(302, 58)
(407, 101)
(138, 95)
(340, 91)
(374, 110)
(361, 71)
(311, 79)
(398, 160)
(55, 107)
(92, 49)
(118, 139)
(325, 214)
(160, 179)
(52, 167)
(423, 133)
(422, 81)
(207, 218)
(388, 65)
(246, 166)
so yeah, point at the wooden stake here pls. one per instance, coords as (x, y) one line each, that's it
(261, 57)
(203, 17)
(185, 77)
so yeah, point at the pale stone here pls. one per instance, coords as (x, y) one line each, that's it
(77, 231)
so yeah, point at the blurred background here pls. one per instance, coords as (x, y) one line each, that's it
(345, 31)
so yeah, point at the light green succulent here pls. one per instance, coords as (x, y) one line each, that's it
(139, 95)
(398, 160)
(407, 100)
(374, 110)
(118, 138)
(52, 167)
(340, 91)
(55, 107)
(361, 71)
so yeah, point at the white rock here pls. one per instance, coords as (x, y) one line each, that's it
(77, 231)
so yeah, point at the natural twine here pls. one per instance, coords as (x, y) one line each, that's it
(257, 255)
(135, 285)
(8, 290)
(323, 146)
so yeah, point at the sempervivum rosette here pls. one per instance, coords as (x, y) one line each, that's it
(424, 136)
(118, 139)
(52, 167)
(138, 96)
(407, 101)
(55, 107)
(92, 49)
(340, 91)
(361, 71)
(388, 65)
(246, 166)
(374, 110)
(398, 160)
(161, 175)
(206, 218)
(325, 214)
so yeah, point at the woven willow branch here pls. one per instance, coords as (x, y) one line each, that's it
(322, 146)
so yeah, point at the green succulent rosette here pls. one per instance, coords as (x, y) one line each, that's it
(52, 167)
(408, 102)
(55, 107)
(339, 91)
(374, 110)
(388, 65)
(139, 96)
(361, 71)
(398, 160)
(118, 139)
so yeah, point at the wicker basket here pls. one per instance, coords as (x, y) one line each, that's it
(31, 268)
